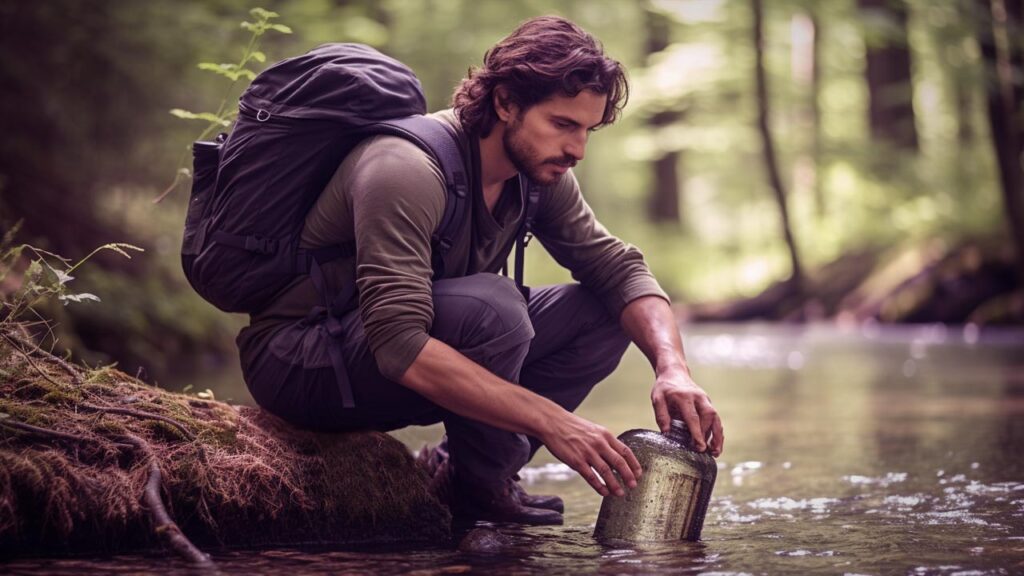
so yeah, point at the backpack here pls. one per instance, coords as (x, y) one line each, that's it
(297, 121)
(251, 189)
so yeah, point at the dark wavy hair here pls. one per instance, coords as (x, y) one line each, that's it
(543, 57)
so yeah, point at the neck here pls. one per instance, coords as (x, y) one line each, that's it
(495, 166)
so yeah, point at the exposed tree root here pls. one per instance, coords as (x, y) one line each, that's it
(28, 357)
(171, 464)
(17, 342)
(164, 526)
(46, 432)
(141, 415)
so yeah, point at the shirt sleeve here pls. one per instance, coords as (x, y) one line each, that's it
(611, 268)
(398, 200)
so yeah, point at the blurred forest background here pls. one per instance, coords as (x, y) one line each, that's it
(785, 160)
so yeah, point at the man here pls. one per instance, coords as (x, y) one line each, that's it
(503, 372)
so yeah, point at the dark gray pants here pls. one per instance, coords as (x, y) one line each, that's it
(559, 345)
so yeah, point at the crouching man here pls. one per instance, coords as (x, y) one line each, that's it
(503, 368)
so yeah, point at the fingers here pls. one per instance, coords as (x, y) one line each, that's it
(691, 404)
(717, 437)
(610, 481)
(661, 415)
(591, 477)
(692, 420)
(615, 455)
(608, 465)
(630, 458)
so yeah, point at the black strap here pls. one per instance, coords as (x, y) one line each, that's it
(330, 314)
(532, 199)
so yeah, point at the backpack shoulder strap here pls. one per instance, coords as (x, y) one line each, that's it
(436, 138)
(532, 199)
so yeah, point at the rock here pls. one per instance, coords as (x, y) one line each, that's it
(484, 541)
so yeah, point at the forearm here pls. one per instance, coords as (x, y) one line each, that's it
(652, 326)
(650, 323)
(449, 379)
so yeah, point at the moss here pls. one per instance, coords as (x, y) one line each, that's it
(106, 375)
(246, 478)
(24, 412)
(110, 427)
(62, 397)
(164, 431)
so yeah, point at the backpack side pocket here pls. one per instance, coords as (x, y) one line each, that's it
(205, 164)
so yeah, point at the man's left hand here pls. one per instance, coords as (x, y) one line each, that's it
(676, 394)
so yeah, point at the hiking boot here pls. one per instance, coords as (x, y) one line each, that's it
(501, 506)
(544, 501)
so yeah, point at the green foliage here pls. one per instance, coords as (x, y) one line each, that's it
(233, 71)
(47, 277)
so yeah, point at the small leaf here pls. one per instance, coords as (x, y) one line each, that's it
(183, 114)
(258, 56)
(61, 277)
(250, 26)
(83, 297)
(281, 28)
(263, 13)
(227, 70)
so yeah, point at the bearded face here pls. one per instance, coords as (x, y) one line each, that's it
(530, 160)
(546, 140)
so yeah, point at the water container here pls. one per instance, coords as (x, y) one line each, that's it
(670, 499)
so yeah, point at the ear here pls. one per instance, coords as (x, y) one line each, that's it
(503, 105)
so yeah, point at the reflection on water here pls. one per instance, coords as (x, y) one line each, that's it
(864, 451)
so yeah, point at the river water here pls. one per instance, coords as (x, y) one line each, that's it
(867, 450)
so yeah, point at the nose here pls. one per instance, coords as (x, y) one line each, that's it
(577, 145)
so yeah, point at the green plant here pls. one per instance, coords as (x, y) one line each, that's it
(47, 276)
(234, 71)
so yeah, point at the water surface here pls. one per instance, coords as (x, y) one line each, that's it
(860, 451)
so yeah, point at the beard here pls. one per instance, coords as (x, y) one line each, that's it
(527, 159)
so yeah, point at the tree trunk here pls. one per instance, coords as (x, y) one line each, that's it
(815, 99)
(891, 110)
(769, 149)
(1002, 56)
(805, 32)
(663, 204)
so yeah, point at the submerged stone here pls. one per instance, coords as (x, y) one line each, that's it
(484, 541)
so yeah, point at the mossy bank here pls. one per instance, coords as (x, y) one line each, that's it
(73, 470)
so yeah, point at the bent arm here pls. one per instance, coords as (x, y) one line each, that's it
(650, 323)
(449, 379)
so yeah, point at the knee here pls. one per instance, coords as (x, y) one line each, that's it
(606, 340)
(480, 308)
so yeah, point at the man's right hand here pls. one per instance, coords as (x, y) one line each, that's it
(593, 452)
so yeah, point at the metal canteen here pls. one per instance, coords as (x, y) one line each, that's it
(670, 499)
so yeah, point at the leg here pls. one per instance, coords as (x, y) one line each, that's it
(483, 316)
(578, 344)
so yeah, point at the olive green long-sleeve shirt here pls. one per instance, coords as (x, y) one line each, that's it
(388, 196)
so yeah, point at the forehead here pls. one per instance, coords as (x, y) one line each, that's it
(585, 108)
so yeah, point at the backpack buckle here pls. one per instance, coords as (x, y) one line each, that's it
(459, 186)
(260, 245)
